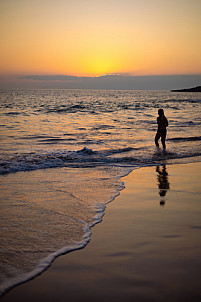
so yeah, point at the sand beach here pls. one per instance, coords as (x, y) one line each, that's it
(147, 247)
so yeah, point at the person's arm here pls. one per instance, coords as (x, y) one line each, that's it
(166, 122)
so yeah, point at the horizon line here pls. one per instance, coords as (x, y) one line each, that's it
(19, 75)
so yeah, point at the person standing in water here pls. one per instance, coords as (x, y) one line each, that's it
(162, 125)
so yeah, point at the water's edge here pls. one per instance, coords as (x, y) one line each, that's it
(46, 262)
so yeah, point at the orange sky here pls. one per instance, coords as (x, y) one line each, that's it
(92, 38)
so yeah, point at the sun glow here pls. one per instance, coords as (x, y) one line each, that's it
(90, 38)
(99, 64)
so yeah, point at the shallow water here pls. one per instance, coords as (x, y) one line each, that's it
(55, 128)
(89, 139)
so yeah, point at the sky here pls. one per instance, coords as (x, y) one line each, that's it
(89, 38)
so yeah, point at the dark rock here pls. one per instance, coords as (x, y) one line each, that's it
(194, 89)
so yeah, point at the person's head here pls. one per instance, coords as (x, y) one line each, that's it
(160, 112)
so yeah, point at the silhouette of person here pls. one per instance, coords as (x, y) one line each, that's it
(161, 132)
(163, 183)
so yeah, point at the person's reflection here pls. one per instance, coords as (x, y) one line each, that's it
(163, 183)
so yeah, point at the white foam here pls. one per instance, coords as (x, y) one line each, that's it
(45, 263)
(98, 210)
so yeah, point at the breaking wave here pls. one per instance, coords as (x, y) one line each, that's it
(87, 157)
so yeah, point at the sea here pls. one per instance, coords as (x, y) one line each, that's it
(62, 156)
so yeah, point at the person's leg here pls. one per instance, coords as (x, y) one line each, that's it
(163, 136)
(157, 139)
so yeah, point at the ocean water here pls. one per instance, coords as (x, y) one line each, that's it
(62, 156)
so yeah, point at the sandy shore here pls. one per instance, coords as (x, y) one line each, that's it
(148, 247)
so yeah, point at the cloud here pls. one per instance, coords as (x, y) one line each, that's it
(108, 81)
(51, 78)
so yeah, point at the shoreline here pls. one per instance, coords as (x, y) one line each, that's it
(145, 249)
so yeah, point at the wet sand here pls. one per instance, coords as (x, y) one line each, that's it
(147, 248)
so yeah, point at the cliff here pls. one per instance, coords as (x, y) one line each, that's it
(194, 89)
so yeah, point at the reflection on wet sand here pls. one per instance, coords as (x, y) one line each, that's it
(163, 183)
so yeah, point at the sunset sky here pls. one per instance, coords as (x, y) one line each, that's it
(92, 38)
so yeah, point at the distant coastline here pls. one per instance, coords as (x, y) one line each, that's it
(194, 89)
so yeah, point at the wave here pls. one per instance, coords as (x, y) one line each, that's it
(187, 100)
(34, 160)
(55, 140)
(87, 157)
(86, 226)
(12, 113)
(45, 139)
(66, 109)
(45, 263)
(185, 139)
